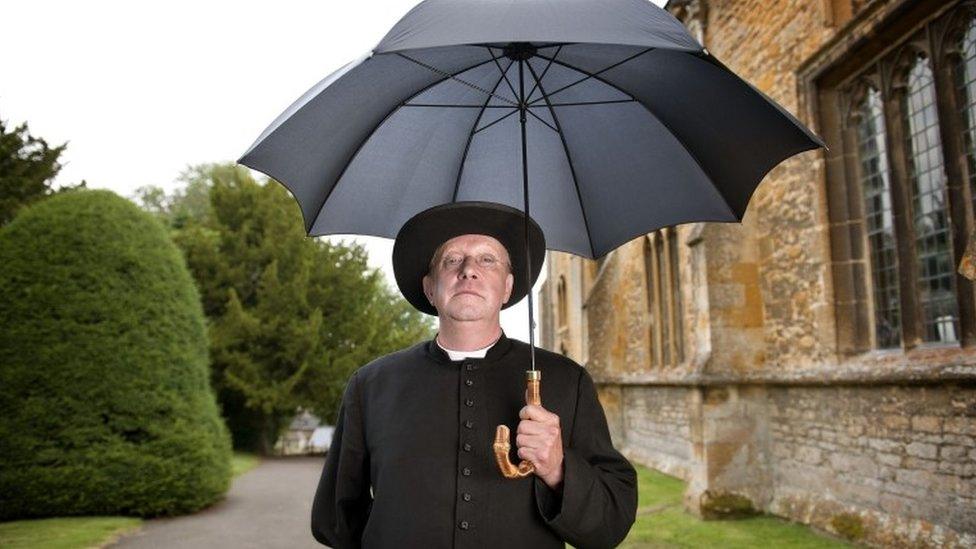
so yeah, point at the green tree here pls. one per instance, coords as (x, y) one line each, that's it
(290, 316)
(189, 202)
(28, 167)
(105, 401)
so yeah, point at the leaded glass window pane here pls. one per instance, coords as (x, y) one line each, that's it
(966, 83)
(652, 301)
(661, 299)
(676, 295)
(879, 220)
(934, 261)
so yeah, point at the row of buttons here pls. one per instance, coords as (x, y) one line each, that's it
(468, 424)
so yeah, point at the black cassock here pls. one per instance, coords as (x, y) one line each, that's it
(418, 429)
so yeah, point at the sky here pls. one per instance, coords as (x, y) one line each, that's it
(142, 90)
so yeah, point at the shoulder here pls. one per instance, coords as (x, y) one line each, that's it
(554, 366)
(388, 362)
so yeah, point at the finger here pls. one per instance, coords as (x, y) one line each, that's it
(537, 413)
(529, 427)
(530, 441)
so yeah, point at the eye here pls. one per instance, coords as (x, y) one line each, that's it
(452, 260)
(488, 260)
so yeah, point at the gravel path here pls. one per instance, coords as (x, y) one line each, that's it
(267, 507)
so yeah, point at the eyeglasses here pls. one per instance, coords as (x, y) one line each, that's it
(453, 261)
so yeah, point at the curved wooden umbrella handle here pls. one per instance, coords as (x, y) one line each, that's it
(502, 434)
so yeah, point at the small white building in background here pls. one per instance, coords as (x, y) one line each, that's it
(305, 436)
(321, 439)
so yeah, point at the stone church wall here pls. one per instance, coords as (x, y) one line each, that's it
(772, 401)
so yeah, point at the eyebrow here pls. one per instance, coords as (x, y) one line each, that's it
(481, 249)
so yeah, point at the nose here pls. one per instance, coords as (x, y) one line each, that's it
(468, 267)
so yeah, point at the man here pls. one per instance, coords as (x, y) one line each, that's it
(411, 462)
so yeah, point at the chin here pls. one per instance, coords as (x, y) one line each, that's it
(467, 313)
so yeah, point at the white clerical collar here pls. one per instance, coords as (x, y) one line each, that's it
(461, 355)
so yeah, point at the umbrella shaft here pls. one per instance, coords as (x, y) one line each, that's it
(525, 194)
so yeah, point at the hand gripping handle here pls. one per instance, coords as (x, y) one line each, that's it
(502, 434)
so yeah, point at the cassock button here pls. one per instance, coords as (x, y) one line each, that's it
(464, 525)
(469, 424)
(469, 402)
(468, 382)
(466, 471)
(467, 497)
(467, 447)
(469, 367)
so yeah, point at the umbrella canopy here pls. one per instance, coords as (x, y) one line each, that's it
(620, 120)
(611, 116)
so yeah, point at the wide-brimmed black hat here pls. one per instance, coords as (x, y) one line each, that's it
(420, 236)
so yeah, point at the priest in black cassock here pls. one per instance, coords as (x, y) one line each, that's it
(411, 462)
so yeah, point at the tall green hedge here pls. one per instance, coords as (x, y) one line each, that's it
(105, 399)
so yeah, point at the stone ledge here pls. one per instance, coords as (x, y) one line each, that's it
(850, 373)
(876, 528)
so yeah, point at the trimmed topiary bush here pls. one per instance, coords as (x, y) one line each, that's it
(105, 399)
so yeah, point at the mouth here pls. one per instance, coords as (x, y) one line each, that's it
(472, 292)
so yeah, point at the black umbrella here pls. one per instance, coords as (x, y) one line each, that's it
(622, 122)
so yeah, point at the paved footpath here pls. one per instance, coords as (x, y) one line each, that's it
(267, 507)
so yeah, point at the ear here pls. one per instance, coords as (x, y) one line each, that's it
(428, 291)
(509, 284)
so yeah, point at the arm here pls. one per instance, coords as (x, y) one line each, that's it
(596, 503)
(342, 501)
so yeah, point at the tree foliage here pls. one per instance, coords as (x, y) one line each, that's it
(290, 316)
(28, 166)
(105, 400)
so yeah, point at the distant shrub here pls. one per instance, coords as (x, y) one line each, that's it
(105, 399)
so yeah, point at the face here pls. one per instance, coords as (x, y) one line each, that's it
(470, 278)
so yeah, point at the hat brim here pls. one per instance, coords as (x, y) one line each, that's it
(423, 233)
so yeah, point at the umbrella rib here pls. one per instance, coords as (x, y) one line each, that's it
(656, 117)
(450, 76)
(504, 72)
(496, 121)
(569, 160)
(541, 120)
(318, 211)
(589, 74)
(544, 71)
(467, 144)
(593, 103)
(459, 106)
(510, 107)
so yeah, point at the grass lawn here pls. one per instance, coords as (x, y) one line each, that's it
(64, 532)
(243, 462)
(85, 532)
(663, 523)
